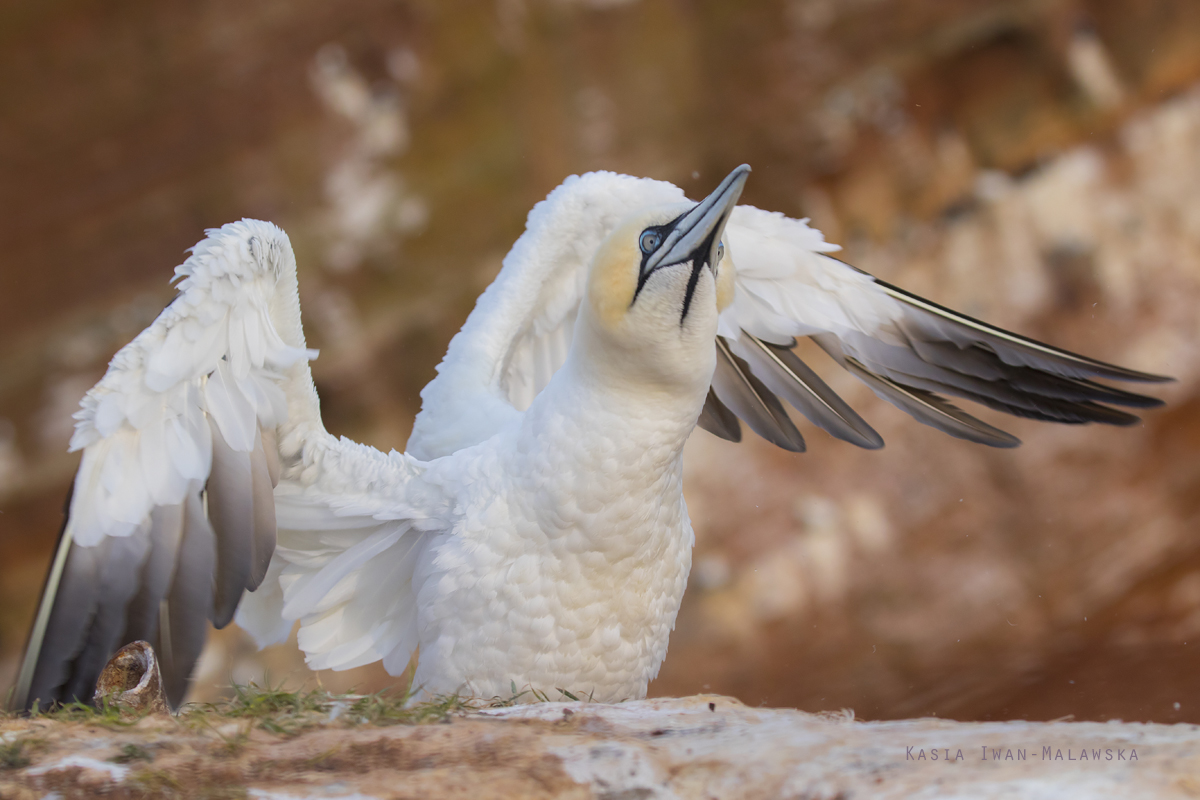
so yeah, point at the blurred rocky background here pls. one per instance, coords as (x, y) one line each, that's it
(1032, 162)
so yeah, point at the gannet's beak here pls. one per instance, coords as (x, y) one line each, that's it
(695, 235)
(699, 230)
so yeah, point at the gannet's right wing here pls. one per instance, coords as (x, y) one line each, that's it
(908, 350)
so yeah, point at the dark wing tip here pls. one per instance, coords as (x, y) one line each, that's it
(99, 598)
(754, 403)
(717, 419)
(1055, 359)
(44, 650)
(930, 409)
(789, 377)
(931, 350)
(1111, 371)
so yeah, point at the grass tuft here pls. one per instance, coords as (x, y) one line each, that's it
(288, 713)
(274, 709)
(253, 700)
(106, 714)
(13, 756)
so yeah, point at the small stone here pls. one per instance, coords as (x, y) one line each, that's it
(132, 682)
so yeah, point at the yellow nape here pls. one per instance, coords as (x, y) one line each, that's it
(614, 275)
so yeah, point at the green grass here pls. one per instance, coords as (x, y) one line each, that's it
(287, 712)
(105, 714)
(12, 755)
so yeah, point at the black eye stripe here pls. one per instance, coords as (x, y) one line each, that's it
(662, 232)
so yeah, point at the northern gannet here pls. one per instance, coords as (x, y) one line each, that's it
(534, 534)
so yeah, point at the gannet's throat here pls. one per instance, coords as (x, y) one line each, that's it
(691, 238)
(704, 257)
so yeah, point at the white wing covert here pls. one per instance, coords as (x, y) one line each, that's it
(352, 523)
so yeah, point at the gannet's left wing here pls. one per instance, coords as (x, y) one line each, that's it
(519, 333)
(908, 350)
(201, 445)
(172, 504)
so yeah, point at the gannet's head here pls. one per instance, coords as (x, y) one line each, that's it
(658, 283)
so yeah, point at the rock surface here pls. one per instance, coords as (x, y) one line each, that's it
(706, 746)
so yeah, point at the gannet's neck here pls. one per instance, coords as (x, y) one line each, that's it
(617, 401)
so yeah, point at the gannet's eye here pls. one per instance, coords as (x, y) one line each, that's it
(650, 241)
(720, 251)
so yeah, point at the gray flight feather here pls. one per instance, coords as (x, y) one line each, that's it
(141, 618)
(1051, 398)
(747, 397)
(161, 583)
(185, 612)
(63, 616)
(87, 616)
(262, 487)
(231, 511)
(978, 361)
(921, 405)
(719, 420)
(271, 449)
(25, 691)
(928, 350)
(120, 565)
(787, 376)
(942, 324)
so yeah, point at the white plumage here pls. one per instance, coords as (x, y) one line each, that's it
(534, 533)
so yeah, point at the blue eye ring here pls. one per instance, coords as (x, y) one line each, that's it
(720, 251)
(650, 241)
